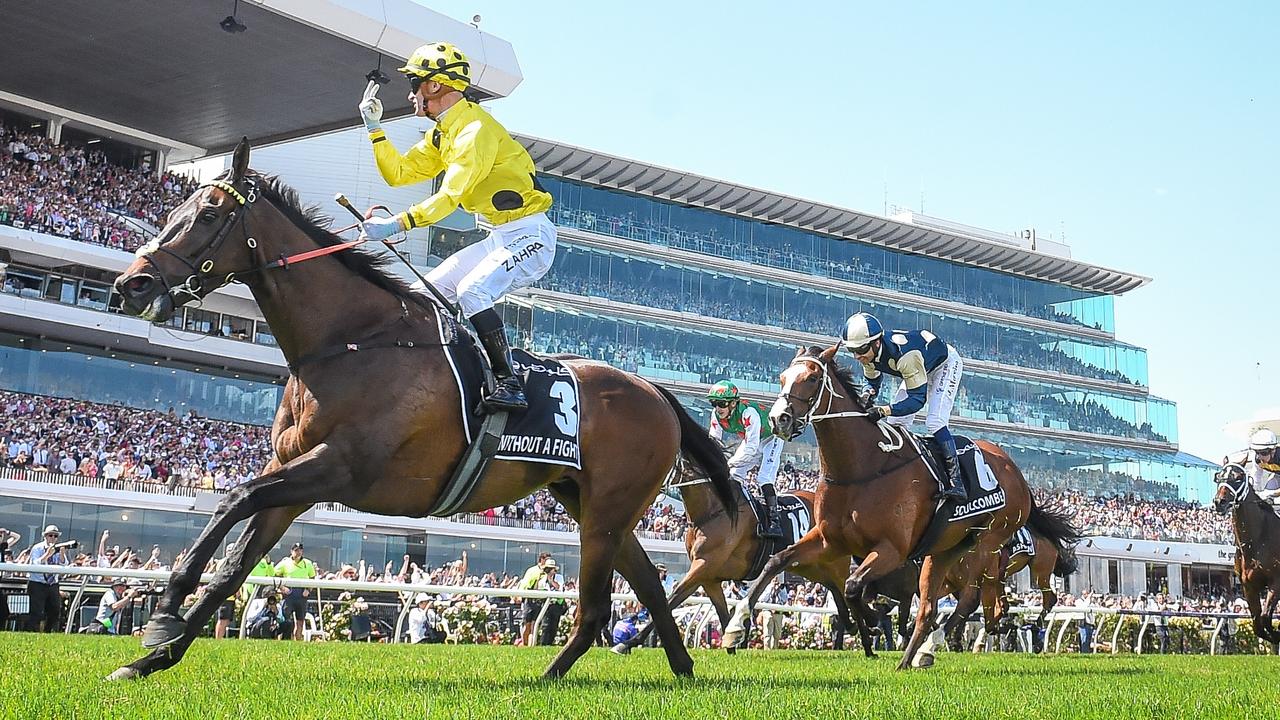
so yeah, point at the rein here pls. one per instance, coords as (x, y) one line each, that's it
(202, 268)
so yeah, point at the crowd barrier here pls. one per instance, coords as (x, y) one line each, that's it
(697, 610)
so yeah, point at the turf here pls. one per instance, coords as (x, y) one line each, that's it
(61, 677)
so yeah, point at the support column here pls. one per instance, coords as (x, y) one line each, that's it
(54, 130)
(162, 162)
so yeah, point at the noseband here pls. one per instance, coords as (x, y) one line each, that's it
(1239, 486)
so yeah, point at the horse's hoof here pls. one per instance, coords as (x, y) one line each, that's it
(924, 660)
(163, 630)
(731, 649)
(125, 673)
(621, 649)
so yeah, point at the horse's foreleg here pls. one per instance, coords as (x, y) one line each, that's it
(635, 566)
(305, 480)
(263, 531)
(933, 574)
(599, 546)
(715, 593)
(682, 591)
(804, 552)
(1268, 612)
(967, 600)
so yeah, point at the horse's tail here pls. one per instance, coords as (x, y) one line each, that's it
(697, 445)
(1055, 525)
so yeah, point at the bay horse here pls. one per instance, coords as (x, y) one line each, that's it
(370, 415)
(876, 502)
(1257, 532)
(722, 550)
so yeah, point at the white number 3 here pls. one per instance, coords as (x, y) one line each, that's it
(567, 418)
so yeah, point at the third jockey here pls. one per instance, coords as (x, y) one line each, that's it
(485, 171)
(930, 370)
(749, 420)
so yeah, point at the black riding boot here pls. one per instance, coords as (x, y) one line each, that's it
(773, 523)
(955, 486)
(509, 391)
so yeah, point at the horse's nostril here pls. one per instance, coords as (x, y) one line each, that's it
(138, 284)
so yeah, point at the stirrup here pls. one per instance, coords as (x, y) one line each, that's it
(505, 397)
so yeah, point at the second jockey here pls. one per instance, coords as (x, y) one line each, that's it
(930, 371)
(485, 171)
(1262, 464)
(760, 448)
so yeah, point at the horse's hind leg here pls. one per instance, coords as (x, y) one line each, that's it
(932, 576)
(1048, 598)
(635, 566)
(599, 547)
(682, 591)
(805, 552)
(263, 531)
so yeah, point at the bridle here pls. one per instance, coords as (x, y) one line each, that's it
(1239, 485)
(894, 439)
(203, 267)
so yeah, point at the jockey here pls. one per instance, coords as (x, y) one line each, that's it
(1262, 464)
(485, 171)
(930, 370)
(749, 420)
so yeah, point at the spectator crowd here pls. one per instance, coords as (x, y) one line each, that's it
(75, 192)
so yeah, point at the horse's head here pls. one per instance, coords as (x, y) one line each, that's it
(191, 257)
(811, 373)
(1233, 486)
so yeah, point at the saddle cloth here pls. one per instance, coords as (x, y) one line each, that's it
(545, 433)
(985, 493)
(794, 518)
(1021, 544)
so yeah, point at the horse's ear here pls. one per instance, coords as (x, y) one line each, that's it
(800, 350)
(829, 354)
(240, 160)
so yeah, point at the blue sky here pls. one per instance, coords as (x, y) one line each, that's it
(1146, 132)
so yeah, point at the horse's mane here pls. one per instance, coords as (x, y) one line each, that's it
(843, 373)
(312, 221)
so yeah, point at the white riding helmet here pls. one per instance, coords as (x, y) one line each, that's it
(1263, 439)
(861, 329)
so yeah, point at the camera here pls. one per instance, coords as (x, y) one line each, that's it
(68, 545)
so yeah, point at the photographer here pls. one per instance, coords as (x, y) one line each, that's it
(551, 580)
(270, 623)
(46, 598)
(115, 599)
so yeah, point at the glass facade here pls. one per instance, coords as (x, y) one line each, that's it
(701, 355)
(327, 545)
(48, 367)
(669, 224)
(720, 293)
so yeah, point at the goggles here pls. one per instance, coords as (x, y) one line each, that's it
(721, 403)
(863, 349)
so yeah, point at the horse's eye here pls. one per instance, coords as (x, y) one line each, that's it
(208, 215)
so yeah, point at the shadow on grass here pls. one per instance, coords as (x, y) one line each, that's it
(736, 684)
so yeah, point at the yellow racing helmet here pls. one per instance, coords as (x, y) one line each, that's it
(440, 62)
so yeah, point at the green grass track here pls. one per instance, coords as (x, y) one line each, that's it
(61, 677)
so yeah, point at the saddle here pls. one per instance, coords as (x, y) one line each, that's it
(548, 432)
(795, 521)
(985, 493)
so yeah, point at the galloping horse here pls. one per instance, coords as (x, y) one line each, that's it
(1053, 538)
(721, 550)
(1257, 530)
(877, 502)
(370, 414)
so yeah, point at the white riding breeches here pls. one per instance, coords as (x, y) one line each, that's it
(944, 384)
(767, 459)
(513, 256)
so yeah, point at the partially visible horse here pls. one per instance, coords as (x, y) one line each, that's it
(875, 497)
(721, 550)
(1053, 538)
(370, 416)
(1257, 531)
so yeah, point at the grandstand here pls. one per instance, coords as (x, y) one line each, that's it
(683, 279)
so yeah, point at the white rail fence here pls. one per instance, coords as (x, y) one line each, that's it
(698, 607)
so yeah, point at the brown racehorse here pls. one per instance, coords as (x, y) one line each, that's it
(721, 550)
(1054, 538)
(1257, 531)
(370, 414)
(875, 498)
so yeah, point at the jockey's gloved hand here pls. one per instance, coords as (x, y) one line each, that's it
(876, 413)
(371, 113)
(381, 228)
